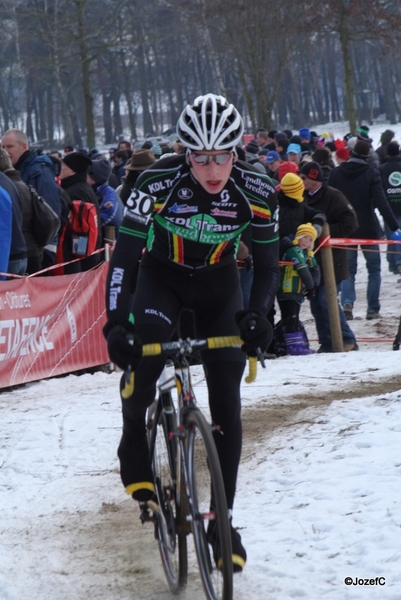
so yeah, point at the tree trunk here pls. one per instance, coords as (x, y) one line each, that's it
(49, 114)
(126, 84)
(85, 62)
(348, 79)
(143, 83)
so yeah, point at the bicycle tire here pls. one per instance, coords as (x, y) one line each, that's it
(169, 533)
(204, 474)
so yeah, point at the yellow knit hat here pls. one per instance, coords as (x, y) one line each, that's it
(305, 229)
(293, 186)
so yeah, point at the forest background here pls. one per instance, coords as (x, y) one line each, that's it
(87, 72)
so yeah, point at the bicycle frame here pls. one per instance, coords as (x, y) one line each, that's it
(184, 502)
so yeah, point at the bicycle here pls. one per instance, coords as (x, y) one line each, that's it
(186, 469)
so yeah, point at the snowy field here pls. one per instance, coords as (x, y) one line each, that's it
(319, 490)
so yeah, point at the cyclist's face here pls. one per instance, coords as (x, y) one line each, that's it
(212, 177)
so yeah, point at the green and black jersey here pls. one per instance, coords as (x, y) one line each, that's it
(184, 226)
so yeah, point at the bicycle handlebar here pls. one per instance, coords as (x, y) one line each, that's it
(188, 346)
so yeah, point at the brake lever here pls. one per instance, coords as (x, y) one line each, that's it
(259, 353)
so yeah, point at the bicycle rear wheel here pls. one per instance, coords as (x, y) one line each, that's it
(204, 475)
(169, 530)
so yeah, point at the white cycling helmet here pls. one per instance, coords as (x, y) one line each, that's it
(210, 123)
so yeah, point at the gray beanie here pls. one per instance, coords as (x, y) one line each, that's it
(100, 170)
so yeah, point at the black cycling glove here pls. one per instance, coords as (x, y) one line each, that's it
(123, 344)
(255, 331)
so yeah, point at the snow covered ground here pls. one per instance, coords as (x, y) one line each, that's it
(318, 496)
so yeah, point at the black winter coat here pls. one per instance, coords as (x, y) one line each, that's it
(77, 188)
(390, 173)
(363, 188)
(27, 212)
(342, 221)
(292, 214)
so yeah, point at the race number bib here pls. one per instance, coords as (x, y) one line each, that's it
(139, 207)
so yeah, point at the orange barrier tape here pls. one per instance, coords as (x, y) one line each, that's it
(328, 241)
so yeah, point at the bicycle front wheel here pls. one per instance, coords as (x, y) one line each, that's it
(204, 479)
(169, 532)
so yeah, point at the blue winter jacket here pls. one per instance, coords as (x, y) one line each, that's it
(18, 245)
(111, 207)
(40, 172)
(5, 230)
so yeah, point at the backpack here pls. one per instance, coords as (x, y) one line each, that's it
(46, 222)
(79, 235)
(83, 228)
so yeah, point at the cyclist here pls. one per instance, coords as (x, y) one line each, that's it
(190, 211)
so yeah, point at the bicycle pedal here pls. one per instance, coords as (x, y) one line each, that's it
(145, 515)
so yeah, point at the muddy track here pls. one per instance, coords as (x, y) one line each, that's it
(259, 420)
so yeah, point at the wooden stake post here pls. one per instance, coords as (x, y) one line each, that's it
(331, 292)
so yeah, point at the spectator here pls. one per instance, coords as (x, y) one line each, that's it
(292, 213)
(282, 144)
(68, 149)
(272, 163)
(73, 180)
(34, 253)
(292, 209)
(177, 147)
(363, 188)
(38, 171)
(297, 280)
(17, 259)
(343, 222)
(294, 153)
(262, 138)
(121, 157)
(112, 152)
(284, 168)
(125, 145)
(5, 230)
(390, 173)
(157, 150)
(323, 157)
(110, 205)
(140, 161)
(342, 155)
(362, 134)
(307, 145)
(56, 154)
(385, 139)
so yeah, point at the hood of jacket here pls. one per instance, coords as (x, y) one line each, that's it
(30, 160)
(354, 167)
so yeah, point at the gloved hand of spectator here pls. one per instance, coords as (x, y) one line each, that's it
(123, 344)
(255, 331)
(396, 235)
(310, 293)
(318, 229)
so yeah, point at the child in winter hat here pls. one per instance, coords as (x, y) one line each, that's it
(297, 281)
